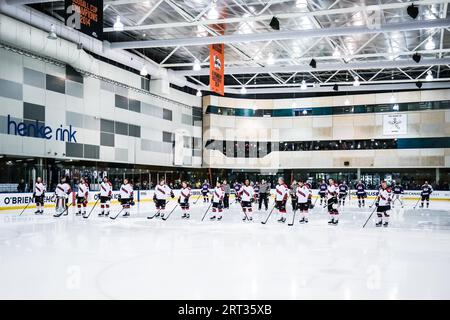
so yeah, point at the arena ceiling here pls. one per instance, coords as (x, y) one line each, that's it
(371, 40)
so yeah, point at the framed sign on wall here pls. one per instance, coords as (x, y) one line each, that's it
(395, 124)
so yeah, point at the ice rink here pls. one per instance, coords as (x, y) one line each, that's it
(42, 257)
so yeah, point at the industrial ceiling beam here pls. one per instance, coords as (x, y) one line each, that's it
(268, 17)
(373, 65)
(284, 35)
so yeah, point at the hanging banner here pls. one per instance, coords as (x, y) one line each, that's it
(217, 68)
(395, 124)
(85, 16)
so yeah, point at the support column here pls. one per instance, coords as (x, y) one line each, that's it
(358, 174)
(438, 176)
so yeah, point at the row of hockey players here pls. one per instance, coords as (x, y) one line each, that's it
(260, 192)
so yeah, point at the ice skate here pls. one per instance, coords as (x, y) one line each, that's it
(212, 218)
(282, 220)
(379, 224)
(331, 221)
(386, 224)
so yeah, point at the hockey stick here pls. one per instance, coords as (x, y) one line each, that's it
(375, 200)
(87, 216)
(270, 213)
(314, 204)
(210, 204)
(167, 217)
(25, 208)
(67, 208)
(115, 217)
(195, 202)
(369, 217)
(293, 220)
(151, 217)
(414, 208)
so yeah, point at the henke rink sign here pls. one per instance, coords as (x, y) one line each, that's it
(39, 130)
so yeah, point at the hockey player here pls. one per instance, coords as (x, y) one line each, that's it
(264, 191)
(126, 197)
(304, 195)
(293, 194)
(162, 193)
(237, 187)
(82, 196)
(256, 188)
(383, 204)
(183, 200)
(105, 196)
(322, 192)
(332, 203)
(38, 195)
(398, 191)
(361, 193)
(205, 191)
(62, 193)
(217, 202)
(343, 192)
(247, 196)
(281, 195)
(425, 194)
(226, 196)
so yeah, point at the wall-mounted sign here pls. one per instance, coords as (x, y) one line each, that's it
(85, 16)
(39, 130)
(395, 124)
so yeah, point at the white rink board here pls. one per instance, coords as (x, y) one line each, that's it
(20, 200)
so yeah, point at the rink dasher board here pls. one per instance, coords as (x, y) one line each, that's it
(16, 201)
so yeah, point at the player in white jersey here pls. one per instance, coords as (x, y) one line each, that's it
(281, 195)
(162, 193)
(183, 200)
(82, 196)
(126, 197)
(217, 201)
(105, 196)
(383, 204)
(38, 195)
(247, 195)
(62, 193)
(303, 200)
(332, 202)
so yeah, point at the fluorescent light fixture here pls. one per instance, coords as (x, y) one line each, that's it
(118, 25)
(303, 86)
(429, 76)
(356, 83)
(243, 90)
(199, 93)
(197, 66)
(144, 71)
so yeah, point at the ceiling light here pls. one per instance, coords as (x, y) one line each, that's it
(412, 11)
(301, 4)
(213, 14)
(303, 86)
(305, 112)
(347, 102)
(429, 76)
(392, 99)
(270, 60)
(243, 90)
(416, 57)
(336, 53)
(356, 83)
(313, 64)
(144, 71)
(430, 44)
(118, 25)
(199, 93)
(396, 107)
(197, 66)
(335, 87)
(275, 24)
(52, 33)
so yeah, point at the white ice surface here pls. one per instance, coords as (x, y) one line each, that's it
(42, 257)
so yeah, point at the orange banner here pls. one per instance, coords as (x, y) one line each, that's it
(217, 68)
